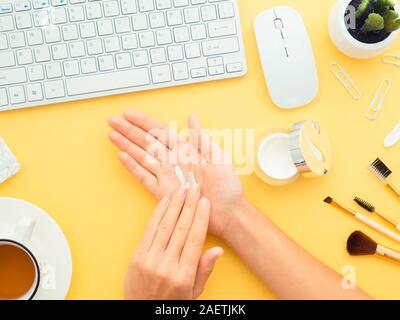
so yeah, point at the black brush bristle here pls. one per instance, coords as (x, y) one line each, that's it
(328, 200)
(359, 244)
(381, 169)
(364, 204)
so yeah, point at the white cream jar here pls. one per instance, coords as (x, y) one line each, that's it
(283, 155)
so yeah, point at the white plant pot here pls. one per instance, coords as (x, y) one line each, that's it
(345, 42)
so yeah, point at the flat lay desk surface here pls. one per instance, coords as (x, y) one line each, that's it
(71, 170)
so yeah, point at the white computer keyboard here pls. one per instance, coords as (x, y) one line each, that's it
(61, 50)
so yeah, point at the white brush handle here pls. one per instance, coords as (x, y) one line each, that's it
(389, 253)
(378, 227)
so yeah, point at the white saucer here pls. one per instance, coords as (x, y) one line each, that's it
(49, 243)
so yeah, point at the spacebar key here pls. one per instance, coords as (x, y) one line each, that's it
(108, 81)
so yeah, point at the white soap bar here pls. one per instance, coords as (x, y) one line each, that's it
(9, 165)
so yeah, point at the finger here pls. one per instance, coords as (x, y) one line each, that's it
(139, 137)
(206, 267)
(197, 235)
(168, 136)
(168, 222)
(151, 231)
(138, 154)
(184, 223)
(200, 138)
(140, 173)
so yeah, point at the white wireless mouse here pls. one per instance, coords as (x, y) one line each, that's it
(287, 57)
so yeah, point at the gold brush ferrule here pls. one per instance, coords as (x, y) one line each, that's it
(344, 208)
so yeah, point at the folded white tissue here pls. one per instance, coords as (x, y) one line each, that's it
(9, 165)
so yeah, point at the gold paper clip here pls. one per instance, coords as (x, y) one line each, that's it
(345, 80)
(391, 59)
(380, 94)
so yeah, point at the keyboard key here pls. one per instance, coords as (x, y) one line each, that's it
(54, 89)
(12, 76)
(57, 3)
(60, 51)
(161, 74)
(181, 34)
(41, 18)
(23, 21)
(87, 30)
(192, 50)
(88, 65)
(93, 11)
(128, 6)
(198, 73)
(158, 55)
(226, 10)
(111, 8)
(180, 71)
(139, 22)
(3, 41)
(40, 4)
(222, 28)
(164, 36)
(94, 47)
(122, 25)
(3, 97)
(234, 67)
(129, 42)
(192, 15)
(215, 61)
(163, 4)
(35, 72)
(6, 23)
(34, 92)
(175, 53)
(53, 70)
(71, 68)
(52, 35)
(24, 56)
(70, 32)
(140, 58)
(17, 95)
(59, 16)
(22, 6)
(217, 70)
(76, 14)
(220, 46)
(123, 60)
(77, 49)
(181, 3)
(146, 39)
(5, 8)
(174, 17)
(108, 81)
(198, 32)
(34, 37)
(105, 27)
(157, 20)
(208, 13)
(106, 63)
(112, 44)
(42, 54)
(7, 59)
(17, 40)
(146, 5)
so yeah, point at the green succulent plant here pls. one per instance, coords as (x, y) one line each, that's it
(382, 15)
(374, 22)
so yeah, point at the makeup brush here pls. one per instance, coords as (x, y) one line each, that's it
(367, 221)
(359, 244)
(382, 171)
(371, 208)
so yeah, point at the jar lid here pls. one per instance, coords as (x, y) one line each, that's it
(310, 149)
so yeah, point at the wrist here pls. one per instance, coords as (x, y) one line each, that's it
(235, 216)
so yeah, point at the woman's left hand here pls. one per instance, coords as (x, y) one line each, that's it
(169, 264)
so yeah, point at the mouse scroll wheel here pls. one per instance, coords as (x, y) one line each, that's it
(278, 24)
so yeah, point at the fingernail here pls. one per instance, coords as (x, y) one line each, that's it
(164, 202)
(182, 191)
(204, 203)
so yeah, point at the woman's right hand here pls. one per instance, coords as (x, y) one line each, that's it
(169, 264)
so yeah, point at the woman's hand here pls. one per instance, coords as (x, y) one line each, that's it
(217, 177)
(149, 151)
(169, 263)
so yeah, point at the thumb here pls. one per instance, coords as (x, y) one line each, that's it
(206, 266)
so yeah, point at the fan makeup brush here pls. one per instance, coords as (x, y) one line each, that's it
(359, 244)
(371, 208)
(365, 220)
(379, 169)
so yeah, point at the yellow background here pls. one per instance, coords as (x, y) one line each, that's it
(71, 170)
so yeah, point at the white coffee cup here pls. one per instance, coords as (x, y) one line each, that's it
(20, 238)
